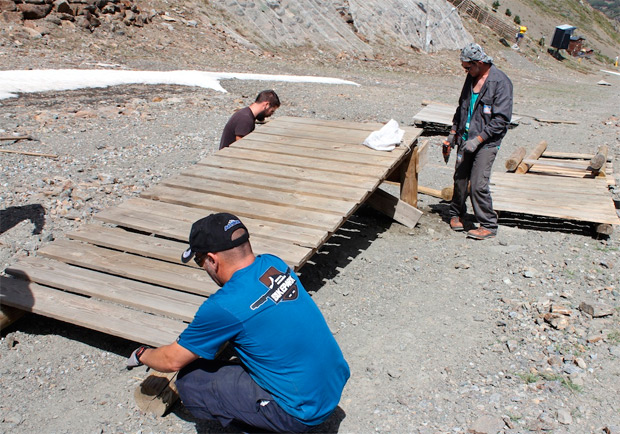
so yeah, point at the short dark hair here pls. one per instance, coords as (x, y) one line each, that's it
(269, 96)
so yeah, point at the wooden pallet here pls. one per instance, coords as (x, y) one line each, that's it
(293, 182)
(437, 117)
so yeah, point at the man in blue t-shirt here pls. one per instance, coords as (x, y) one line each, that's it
(288, 373)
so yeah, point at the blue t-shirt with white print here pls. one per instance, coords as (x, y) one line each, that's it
(278, 333)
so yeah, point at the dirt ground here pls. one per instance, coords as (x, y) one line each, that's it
(443, 334)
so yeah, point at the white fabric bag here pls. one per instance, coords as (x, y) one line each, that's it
(386, 138)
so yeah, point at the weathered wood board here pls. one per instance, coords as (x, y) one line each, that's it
(567, 198)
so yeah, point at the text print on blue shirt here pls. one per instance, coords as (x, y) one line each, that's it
(282, 287)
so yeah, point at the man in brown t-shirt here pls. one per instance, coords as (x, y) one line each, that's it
(241, 123)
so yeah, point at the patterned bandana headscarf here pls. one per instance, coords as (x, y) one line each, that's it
(474, 53)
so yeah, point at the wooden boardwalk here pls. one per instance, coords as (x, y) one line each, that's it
(293, 182)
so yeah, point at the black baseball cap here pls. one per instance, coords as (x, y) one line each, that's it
(213, 234)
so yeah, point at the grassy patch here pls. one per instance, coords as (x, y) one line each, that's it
(565, 381)
(614, 337)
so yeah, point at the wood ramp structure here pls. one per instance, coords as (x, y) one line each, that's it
(293, 182)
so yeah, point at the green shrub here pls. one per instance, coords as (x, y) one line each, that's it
(517, 19)
(508, 12)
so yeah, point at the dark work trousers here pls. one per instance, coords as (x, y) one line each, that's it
(474, 168)
(224, 391)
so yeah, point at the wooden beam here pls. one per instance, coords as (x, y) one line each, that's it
(391, 206)
(534, 155)
(409, 179)
(515, 159)
(422, 158)
(445, 193)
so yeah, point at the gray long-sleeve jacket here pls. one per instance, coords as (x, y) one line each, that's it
(492, 112)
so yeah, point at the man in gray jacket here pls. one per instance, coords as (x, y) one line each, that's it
(478, 127)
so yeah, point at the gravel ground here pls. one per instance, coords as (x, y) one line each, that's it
(443, 334)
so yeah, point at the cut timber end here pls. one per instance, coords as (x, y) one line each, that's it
(534, 155)
(445, 193)
(515, 159)
(598, 161)
(157, 393)
(604, 229)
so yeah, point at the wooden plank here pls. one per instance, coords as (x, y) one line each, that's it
(352, 137)
(267, 180)
(570, 155)
(146, 270)
(547, 182)
(170, 251)
(508, 205)
(559, 164)
(574, 204)
(31, 154)
(259, 193)
(322, 145)
(394, 208)
(346, 132)
(91, 313)
(348, 125)
(246, 208)
(303, 173)
(363, 172)
(292, 149)
(564, 172)
(149, 298)
(174, 221)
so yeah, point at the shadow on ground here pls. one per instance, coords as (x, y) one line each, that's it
(14, 215)
(358, 232)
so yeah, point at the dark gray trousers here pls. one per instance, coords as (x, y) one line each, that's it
(474, 168)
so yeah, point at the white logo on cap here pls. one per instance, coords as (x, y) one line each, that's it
(231, 223)
(187, 253)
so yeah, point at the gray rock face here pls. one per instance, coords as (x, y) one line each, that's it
(355, 27)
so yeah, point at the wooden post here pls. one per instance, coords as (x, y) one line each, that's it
(515, 159)
(600, 159)
(534, 155)
(409, 178)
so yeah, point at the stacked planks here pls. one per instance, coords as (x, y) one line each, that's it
(293, 182)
